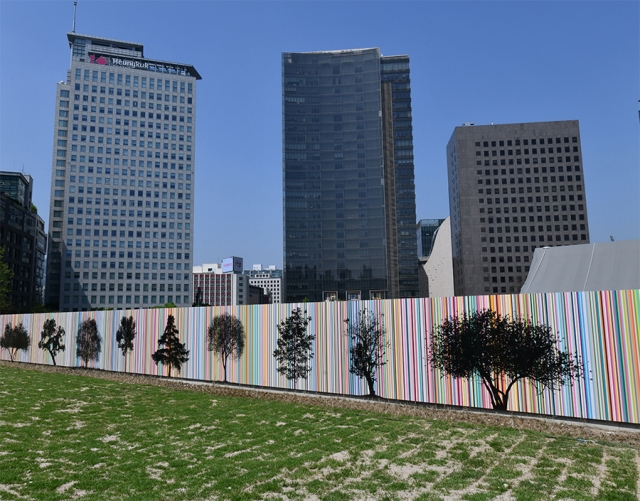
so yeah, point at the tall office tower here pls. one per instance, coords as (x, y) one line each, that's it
(349, 193)
(24, 240)
(512, 188)
(121, 217)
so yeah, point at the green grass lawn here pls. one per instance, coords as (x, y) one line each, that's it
(75, 437)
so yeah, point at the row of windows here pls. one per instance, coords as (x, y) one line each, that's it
(138, 234)
(169, 85)
(534, 151)
(62, 143)
(118, 92)
(121, 287)
(538, 208)
(127, 112)
(123, 122)
(125, 162)
(121, 265)
(527, 170)
(114, 222)
(532, 229)
(126, 299)
(532, 219)
(545, 179)
(121, 276)
(525, 142)
(96, 243)
(528, 161)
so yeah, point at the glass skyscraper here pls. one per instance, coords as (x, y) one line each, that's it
(121, 217)
(348, 176)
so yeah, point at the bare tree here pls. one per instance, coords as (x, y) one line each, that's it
(88, 342)
(368, 346)
(295, 346)
(226, 338)
(52, 339)
(125, 336)
(15, 339)
(501, 352)
(171, 352)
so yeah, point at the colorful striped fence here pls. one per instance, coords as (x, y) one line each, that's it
(602, 327)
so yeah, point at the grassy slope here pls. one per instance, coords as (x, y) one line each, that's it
(66, 436)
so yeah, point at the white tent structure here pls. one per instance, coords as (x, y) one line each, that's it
(589, 267)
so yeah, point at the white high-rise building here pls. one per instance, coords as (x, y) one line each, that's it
(123, 176)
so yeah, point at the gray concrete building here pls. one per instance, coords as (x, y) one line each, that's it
(512, 188)
(123, 176)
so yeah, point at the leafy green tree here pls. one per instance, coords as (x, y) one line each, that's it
(226, 338)
(368, 346)
(88, 342)
(295, 346)
(501, 352)
(15, 339)
(52, 339)
(6, 277)
(125, 336)
(171, 352)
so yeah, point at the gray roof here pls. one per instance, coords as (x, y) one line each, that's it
(589, 267)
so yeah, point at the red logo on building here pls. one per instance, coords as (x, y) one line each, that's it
(99, 60)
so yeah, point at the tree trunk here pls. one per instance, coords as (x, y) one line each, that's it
(52, 357)
(125, 363)
(499, 403)
(372, 391)
(224, 367)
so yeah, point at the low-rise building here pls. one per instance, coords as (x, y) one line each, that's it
(435, 256)
(269, 279)
(224, 284)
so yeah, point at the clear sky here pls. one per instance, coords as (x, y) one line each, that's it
(480, 62)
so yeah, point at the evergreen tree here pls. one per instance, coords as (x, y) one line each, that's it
(52, 339)
(295, 346)
(125, 336)
(171, 352)
(15, 339)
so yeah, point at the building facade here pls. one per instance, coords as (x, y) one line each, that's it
(436, 264)
(23, 237)
(349, 193)
(268, 279)
(512, 188)
(121, 218)
(216, 287)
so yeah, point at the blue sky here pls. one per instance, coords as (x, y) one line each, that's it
(480, 62)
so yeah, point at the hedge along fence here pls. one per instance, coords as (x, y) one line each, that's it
(602, 327)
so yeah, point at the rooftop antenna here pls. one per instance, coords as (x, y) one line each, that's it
(75, 5)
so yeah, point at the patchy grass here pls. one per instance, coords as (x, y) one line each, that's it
(65, 436)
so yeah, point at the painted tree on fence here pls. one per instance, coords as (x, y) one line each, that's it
(226, 338)
(15, 339)
(52, 339)
(171, 352)
(368, 346)
(501, 352)
(295, 346)
(125, 335)
(88, 342)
